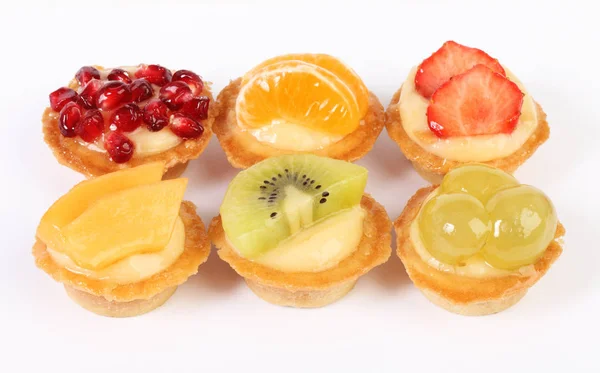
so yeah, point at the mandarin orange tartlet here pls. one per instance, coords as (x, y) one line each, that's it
(460, 105)
(110, 119)
(121, 243)
(297, 103)
(475, 244)
(300, 229)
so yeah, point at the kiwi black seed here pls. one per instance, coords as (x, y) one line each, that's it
(269, 191)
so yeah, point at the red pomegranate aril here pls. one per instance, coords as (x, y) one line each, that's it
(196, 108)
(175, 94)
(87, 97)
(119, 147)
(141, 90)
(86, 74)
(155, 74)
(119, 75)
(91, 126)
(190, 78)
(60, 97)
(68, 118)
(112, 95)
(126, 118)
(185, 127)
(156, 115)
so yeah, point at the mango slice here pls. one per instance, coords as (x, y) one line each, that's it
(81, 196)
(132, 221)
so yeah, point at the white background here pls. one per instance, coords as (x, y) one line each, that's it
(214, 323)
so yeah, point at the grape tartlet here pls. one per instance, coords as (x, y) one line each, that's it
(297, 103)
(475, 244)
(110, 119)
(460, 105)
(301, 230)
(121, 243)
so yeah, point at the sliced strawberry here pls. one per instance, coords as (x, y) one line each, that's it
(477, 102)
(450, 60)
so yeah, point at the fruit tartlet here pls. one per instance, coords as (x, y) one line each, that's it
(460, 105)
(476, 243)
(121, 243)
(109, 119)
(297, 103)
(300, 229)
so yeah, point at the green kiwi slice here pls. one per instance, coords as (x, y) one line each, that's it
(272, 200)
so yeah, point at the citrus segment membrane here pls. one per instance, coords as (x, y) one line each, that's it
(317, 92)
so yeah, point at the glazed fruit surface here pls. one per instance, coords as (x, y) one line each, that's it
(479, 210)
(314, 91)
(280, 196)
(469, 93)
(112, 107)
(117, 215)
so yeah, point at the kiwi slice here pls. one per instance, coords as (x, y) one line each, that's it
(272, 200)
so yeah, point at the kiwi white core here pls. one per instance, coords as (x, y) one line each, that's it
(298, 208)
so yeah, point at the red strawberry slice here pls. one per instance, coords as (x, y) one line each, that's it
(450, 60)
(477, 102)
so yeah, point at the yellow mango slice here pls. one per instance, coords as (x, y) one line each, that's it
(81, 196)
(132, 221)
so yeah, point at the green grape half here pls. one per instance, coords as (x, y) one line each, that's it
(453, 227)
(523, 225)
(478, 180)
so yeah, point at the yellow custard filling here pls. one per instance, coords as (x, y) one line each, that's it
(319, 246)
(474, 266)
(413, 112)
(289, 136)
(134, 268)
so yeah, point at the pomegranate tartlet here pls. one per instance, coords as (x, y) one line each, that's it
(110, 119)
(460, 105)
(121, 243)
(476, 244)
(297, 103)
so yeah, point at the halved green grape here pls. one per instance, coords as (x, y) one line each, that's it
(524, 222)
(478, 180)
(453, 227)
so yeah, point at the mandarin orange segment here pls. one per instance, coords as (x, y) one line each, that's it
(330, 63)
(330, 98)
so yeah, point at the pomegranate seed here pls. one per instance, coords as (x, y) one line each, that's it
(119, 75)
(91, 126)
(175, 94)
(85, 74)
(69, 116)
(141, 90)
(87, 98)
(126, 118)
(192, 79)
(155, 74)
(62, 96)
(196, 108)
(118, 146)
(156, 115)
(185, 127)
(113, 94)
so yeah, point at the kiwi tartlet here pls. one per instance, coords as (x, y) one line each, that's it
(300, 229)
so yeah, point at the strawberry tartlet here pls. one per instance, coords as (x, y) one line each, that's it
(460, 106)
(110, 119)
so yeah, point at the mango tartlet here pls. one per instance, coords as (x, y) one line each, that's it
(110, 119)
(121, 243)
(476, 243)
(297, 103)
(460, 106)
(300, 229)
